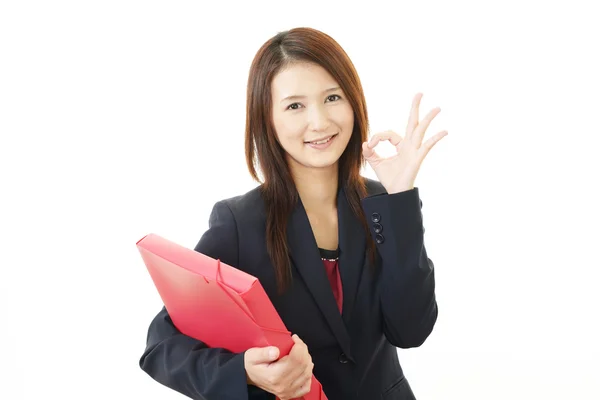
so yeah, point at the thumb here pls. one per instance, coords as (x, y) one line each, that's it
(259, 355)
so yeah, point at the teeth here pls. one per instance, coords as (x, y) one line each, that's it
(323, 141)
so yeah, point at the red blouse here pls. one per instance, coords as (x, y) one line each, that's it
(331, 261)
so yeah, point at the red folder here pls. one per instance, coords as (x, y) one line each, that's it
(215, 303)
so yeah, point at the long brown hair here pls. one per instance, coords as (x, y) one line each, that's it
(264, 153)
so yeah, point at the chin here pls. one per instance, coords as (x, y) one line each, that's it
(324, 165)
(323, 162)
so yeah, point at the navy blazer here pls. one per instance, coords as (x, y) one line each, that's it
(354, 353)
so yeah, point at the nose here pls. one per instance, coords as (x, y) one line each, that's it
(318, 119)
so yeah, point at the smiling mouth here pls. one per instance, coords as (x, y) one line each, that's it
(322, 141)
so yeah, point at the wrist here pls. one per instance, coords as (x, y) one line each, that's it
(400, 189)
(248, 380)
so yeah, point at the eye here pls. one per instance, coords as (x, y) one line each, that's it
(291, 106)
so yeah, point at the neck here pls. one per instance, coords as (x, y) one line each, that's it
(317, 187)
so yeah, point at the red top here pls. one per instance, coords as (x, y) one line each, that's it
(331, 261)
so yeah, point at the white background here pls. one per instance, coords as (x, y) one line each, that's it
(120, 118)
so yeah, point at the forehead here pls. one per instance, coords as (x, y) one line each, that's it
(302, 79)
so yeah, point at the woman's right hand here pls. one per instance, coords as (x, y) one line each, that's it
(287, 378)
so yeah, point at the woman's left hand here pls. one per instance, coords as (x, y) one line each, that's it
(398, 172)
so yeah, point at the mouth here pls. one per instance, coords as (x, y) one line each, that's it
(321, 140)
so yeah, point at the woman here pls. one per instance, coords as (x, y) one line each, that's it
(340, 256)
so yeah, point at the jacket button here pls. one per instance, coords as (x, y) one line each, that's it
(379, 238)
(375, 217)
(377, 228)
(343, 359)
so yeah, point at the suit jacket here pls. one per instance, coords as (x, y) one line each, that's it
(355, 352)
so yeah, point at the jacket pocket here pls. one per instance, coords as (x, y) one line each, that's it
(399, 390)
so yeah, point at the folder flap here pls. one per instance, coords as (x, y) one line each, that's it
(235, 297)
(262, 308)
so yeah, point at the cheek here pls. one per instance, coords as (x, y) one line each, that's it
(350, 115)
(282, 127)
(342, 111)
(289, 131)
(347, 120)
(289, 139)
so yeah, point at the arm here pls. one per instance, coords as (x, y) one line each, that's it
(407, 298)
(183, 363)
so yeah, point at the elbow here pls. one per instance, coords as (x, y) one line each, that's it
(149, 364)
(154, 363)
(412, 334)
(172, 376)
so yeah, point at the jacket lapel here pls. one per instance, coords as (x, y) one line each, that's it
(352, 241)
(305, 255)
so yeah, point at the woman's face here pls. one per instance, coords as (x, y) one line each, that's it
(315, 125)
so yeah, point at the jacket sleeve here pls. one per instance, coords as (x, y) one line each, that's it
(183, 363)
(408, 300)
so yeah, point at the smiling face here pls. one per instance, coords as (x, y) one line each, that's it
(315, 125)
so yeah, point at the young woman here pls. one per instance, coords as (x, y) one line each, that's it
(341, 257)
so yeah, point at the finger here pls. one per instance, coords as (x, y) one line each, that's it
(370, 154)
(262, 355)
(300, 354)
(299, 348)
(294, 379)
(303, 381)
(282, 367)
(392, 136)
(288, 372)
(418, 134)
(428, 145)
(303, 390)
(413, 117)
(297, 355)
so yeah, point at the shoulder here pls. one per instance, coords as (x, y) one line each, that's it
(228, 221)
(243, 207)
(242, 202)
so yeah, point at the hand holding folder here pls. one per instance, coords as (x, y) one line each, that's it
(215, 303)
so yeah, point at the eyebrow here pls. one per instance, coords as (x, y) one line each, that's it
(302, 97)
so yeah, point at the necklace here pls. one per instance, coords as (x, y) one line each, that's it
(330, 259)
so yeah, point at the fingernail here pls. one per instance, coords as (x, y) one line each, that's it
(273, 353)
